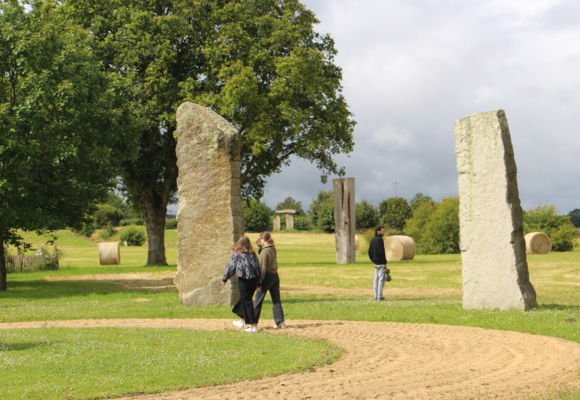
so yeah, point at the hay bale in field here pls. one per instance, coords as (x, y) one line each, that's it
(399, 247)
(109, 253)
(538, 243)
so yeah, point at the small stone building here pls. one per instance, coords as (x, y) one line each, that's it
(288, 218)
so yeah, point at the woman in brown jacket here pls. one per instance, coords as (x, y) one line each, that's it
(269, 280)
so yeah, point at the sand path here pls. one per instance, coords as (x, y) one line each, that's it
(385, 360)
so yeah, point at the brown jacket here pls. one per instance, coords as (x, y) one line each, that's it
(268, 260)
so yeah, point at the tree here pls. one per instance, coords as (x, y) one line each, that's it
(58, 130)
(558, 227)
(442, 230)
(259, 64)
(290, 204)
(367, 215)
(418, 200)
(257, 216)
(394, 212)
(416, 225)
(575, 217)
(322, 211)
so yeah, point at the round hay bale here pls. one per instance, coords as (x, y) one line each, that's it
(399, 247)
(109, 253)
(538, 243)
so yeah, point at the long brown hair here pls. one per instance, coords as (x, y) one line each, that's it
(267, 236)
(243, 245)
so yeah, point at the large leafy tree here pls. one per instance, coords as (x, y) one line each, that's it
(321, 211)
(57, 129)
(258, 63)
(394, 212)
(367, 215)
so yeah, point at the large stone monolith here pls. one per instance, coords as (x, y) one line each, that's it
(210, 212)
(493, 251)
(344, 220)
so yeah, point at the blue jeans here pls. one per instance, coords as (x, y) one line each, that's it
(379, 281)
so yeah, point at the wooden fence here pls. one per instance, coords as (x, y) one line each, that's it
(36, 262)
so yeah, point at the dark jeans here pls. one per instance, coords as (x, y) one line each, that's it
(244, 308)
(270, 283)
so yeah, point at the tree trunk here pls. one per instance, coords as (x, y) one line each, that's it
(3, 280)
(154, 214)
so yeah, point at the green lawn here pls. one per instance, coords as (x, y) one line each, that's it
(424, 290)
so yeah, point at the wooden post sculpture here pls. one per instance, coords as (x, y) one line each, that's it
(344, 219)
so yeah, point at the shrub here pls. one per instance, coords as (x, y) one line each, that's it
(86, 229)
(131, 221)
(171, 223)
(558, 227)
(107, 233)
(257, 216)
(302, 223)
(107, 214)
(133, 236)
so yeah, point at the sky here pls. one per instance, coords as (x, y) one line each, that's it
(412, 67)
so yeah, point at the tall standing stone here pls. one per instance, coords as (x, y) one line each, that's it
(493, 251)
(210, 212)
(344, 220)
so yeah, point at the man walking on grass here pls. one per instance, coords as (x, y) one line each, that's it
(377, 256)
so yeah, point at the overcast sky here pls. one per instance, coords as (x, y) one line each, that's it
(412, 67)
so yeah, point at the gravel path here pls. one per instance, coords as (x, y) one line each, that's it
(385, 360)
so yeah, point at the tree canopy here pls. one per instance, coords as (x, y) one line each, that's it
(58, 124)
(394, 212)
(290, 203)
(258, 63)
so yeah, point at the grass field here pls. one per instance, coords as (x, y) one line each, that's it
(424, 290)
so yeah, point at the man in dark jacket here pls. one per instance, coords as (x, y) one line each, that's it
(377, 256)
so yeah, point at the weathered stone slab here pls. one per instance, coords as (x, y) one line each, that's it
(210, 212)
(493, 252)
(344, 220)
(276, 223)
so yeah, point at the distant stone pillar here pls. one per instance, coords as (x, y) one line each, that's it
(276, 223)
(289, 221)
(493, 251)
(344, 220)
(210, 211)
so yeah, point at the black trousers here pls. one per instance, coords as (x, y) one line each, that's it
(244, 307)
(271, 283)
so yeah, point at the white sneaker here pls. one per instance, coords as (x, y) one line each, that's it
(281, 325)
(251, 329)
(238, 324)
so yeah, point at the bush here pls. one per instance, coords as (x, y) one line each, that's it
(133, 236)
(86, 229)
(107, 214)
(302, 223)
(131, 221)
(107, 233)
(558, 227)
(171, 223)
(257, 216)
